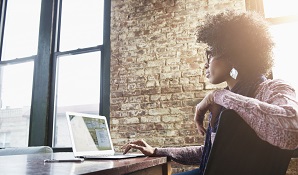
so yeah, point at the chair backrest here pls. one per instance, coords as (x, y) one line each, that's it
(25, 150)
(237, 150)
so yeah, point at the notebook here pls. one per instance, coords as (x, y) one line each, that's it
(90, 137)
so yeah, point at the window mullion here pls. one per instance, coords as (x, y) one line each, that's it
(81, 50)
(40, 118)
(18, 60)
(255, 5)
(105, 64)
(282, 19)
(2, 22)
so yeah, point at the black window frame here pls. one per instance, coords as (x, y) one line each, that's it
(43, 90)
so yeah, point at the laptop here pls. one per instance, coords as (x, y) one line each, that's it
(90, 137)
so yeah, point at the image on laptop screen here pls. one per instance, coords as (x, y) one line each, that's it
(90, 134)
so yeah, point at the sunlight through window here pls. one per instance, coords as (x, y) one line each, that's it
(286, 61)
(285, 36)
(279, 8)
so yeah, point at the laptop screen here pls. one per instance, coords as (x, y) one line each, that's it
(89, 133)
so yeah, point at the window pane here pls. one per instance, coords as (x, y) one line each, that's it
(286, 60)
(15, 95)
(81, 24)
(278, 8)
(78, 90)
(21, 29)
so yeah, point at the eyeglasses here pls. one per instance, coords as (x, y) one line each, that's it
(210, 54)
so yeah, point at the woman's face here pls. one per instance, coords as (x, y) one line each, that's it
(217, 69)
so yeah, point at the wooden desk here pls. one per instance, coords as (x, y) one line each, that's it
(32, 164)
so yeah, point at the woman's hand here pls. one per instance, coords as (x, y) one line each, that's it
(206, 104)
(140, 145)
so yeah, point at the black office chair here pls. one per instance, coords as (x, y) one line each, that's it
(237, 150)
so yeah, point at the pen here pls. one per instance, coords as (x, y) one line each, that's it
(62, 160)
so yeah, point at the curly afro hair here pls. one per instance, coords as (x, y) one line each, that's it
(243, 38)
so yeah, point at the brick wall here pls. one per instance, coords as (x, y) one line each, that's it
(157, 74)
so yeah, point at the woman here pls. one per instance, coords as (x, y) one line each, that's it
(240, 54)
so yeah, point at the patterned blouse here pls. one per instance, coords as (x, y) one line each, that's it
(272, 114)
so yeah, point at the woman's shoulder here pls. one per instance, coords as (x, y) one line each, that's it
(275, 86)
(276, 83)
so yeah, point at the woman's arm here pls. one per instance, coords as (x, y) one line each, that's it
(272, 114)
(185, 155)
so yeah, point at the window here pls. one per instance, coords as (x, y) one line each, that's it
(54, 57)
(78, 85)
(283, 16)
(280, 8)
(81, 24)
(78, 71)
(286, 61)
(18, 50)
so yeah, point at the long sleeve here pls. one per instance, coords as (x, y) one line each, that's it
(185, 155)
(272, 114)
